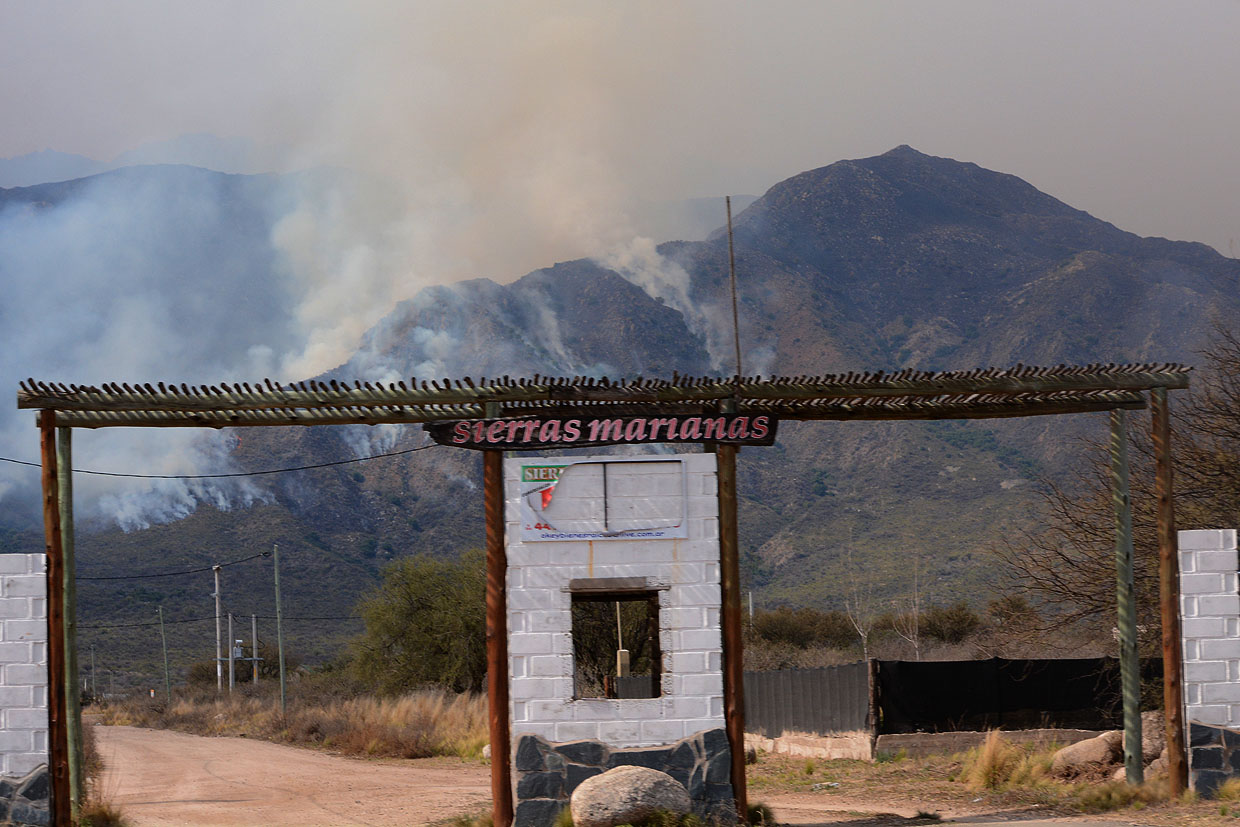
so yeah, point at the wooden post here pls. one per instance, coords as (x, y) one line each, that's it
(733, 644)
(58, 735)
(73, 691)
(1125, 601)
(1169, 595)
(497, 638)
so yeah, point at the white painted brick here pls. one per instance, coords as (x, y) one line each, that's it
(16, 608)
(686, 663)
(550, 666)
(576, 730)
(709, 485)
(703, 507)
(1219, 649)
(38, 652)
(15, 564)
(548, 621)
(1216, 561)
(711, 573)
(518, 666)
(620, 733)
(544, 577)
(16, 653)
(662, 732)
(597, 710)
(519, 711)
(1188, 605)
(40, 740)
(1231, 626)
(1214, 715)
(1195, 584)
(25, 674)
(1213, 693)
(1204, 628)
(34, 629)
(1188, 562)
(540, 728)
(1190, 650)
(705, 529)
(16, 696)
(530, 644)
(1229, 583)
(550, 710)
(701, 595)
(562, 644)
(700, 725)
(709, 639)
(25, 718)
(1218, 605)
(529, 554)
(25, 586)
(714, 661)
(716, 706)
(685, 618)
(524, 599)
(689, 706)
(18, 740)
(533, 689)
(702, 684)
(1192, 694)
(40, 697)
(38, 607)
(1203, 671)
(1199, 539)
(21, 763)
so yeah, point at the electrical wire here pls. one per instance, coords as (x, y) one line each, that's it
(234, 474)
(212, 617)
(175, 573)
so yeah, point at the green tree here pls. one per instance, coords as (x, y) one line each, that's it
(425, 625)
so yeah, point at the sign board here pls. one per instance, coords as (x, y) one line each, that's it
(625, 498)
(543, 433)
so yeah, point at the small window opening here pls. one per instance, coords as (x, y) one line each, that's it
(616, 645)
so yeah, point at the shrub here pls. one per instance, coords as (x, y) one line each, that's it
(950, 624)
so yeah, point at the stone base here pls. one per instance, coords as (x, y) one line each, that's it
(547, 773)
(25, 802)
(1213, 757)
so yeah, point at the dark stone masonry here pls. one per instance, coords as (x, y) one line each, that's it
(24, 802)
(548, 773)
(1213, 757)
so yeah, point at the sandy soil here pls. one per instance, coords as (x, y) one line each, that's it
(158, 777)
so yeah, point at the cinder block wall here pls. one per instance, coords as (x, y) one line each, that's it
(23, 663)
(540, 623)
(1210, 608)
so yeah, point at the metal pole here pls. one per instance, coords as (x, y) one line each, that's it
(163, 639)
(1169, 595)
(232, 651)
(94, 686)
(1126, 602)
(733, 645)
(73, 693)
(58, 737)
(497, 637)
(254, 647)
(280, 631)
(219, 654)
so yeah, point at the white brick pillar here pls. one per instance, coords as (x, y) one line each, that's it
(1210, 608)
(23, 663)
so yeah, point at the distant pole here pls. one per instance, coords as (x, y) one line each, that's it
(219, 652)
(164, 639)
(751, 607)
(736, 325)
(280, 632)
(1129, 663)
(254, 646)
(94, 687)
(232, 652)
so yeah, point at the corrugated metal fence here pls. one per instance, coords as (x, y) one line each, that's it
(820, 701)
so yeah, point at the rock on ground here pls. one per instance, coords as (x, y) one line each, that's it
(625, 795)
(1088, 754)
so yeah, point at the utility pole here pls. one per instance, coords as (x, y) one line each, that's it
(254, 646)
(94, 687)
(164, 639)
(280, 631)
(219, 652)
(232, 651)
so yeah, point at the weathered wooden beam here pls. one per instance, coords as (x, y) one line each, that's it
(730, 615)
(58, 741)
(1169, 595)
(497, 638)
(171, 398)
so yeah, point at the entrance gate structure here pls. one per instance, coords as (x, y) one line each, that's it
(483, 415)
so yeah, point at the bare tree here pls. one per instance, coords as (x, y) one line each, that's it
(1069, 563)
(906, 619)
(859, 602)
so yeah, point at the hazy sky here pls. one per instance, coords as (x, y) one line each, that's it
(540, 127)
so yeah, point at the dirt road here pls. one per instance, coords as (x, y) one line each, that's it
(159, 777)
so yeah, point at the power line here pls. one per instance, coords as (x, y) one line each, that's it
(199, 620)
(234, 474)
(175, 573)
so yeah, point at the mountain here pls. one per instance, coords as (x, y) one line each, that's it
(900, 260)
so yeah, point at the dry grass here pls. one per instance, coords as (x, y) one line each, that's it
(418, 725)
(1229, 790)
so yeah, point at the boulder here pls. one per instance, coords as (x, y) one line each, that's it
(1153, 735)
(626, 795)
(1089, 754)
(486, 752)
